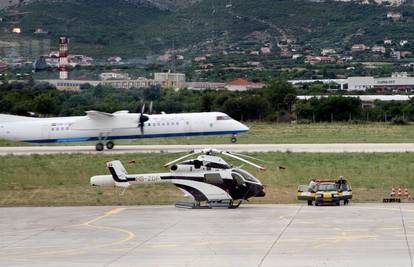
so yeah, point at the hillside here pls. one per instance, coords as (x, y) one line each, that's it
(141, 28)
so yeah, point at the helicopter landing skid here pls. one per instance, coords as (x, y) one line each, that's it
(191, 205)
(208, 205)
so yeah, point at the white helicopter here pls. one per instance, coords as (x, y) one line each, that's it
(208, 179)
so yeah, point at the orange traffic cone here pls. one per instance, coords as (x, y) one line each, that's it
(399, 191)
(392, 194)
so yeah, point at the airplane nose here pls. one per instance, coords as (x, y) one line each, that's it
(243, 127)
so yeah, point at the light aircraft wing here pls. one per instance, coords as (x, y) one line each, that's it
(98, 115)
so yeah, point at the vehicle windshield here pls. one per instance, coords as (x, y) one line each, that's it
(327, 187)
(247, 176)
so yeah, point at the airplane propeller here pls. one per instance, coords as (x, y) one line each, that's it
(142, 119)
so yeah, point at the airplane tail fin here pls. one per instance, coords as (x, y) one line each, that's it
(118, 172)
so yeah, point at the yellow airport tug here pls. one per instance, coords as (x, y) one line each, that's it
(325, 192)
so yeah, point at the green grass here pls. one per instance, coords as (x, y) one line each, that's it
(60, 180)
(283, 133)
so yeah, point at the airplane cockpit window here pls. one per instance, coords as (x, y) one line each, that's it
(247, 176)
(223, 118)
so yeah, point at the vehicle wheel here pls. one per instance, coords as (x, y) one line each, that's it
(338, 203)
(110, 145)
(309, 202)
(233, 139)
(316, 204)
(99, 147)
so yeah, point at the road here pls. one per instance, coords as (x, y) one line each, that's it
(252, 235)
(312, 148)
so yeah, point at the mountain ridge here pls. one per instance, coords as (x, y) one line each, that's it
(138, 28)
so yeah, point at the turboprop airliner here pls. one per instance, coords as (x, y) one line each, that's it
(106, 127)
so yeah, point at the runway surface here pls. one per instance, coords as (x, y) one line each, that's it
(253, 235)
(323, 148)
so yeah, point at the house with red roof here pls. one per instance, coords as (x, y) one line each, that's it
(243, 85)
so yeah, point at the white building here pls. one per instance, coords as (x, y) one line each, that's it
(378, 49)
(169, 76)
(113, 76)
(397, 82)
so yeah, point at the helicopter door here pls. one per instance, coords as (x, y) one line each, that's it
(213, 178)
(238, 178)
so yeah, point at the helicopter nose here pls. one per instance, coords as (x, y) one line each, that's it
(261, 192)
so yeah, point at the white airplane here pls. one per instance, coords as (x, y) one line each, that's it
(106, 127)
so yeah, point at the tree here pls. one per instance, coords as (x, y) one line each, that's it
(277, 91)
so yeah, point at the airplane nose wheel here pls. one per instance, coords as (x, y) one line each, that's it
(110, 145)
(233, 139)
(99, 147)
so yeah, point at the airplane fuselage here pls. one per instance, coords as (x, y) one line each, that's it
(122, 125)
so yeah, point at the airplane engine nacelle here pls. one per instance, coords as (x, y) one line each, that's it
(102, 180)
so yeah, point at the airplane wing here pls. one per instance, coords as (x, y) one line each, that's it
(102, 121)
(14, 118)
(98, 115)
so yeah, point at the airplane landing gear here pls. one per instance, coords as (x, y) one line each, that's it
(233, 139)
(102, 138)
(110, 145)
(99, 147)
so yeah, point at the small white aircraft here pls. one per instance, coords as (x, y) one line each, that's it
(106, 127)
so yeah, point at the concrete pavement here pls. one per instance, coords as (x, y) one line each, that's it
(312, 148)
(253, 235)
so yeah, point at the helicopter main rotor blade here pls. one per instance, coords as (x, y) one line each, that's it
(247, 156)
(181, 158)
(244, 160)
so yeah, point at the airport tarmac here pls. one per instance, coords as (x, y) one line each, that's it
(312, 148)
(252, 235)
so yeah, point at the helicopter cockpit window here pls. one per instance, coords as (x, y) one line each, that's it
(238, 178)
(247, 176)
(223, 118)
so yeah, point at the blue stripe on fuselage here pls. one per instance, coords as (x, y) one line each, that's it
(84, 139)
